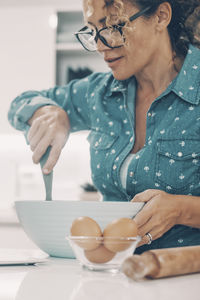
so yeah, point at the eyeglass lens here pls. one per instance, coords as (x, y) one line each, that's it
(110, 36)
(88, 40)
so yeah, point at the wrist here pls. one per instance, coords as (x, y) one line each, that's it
(189, 210)
(181, 209)
(39, 112)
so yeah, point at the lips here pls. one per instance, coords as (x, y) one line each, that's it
(112, 59)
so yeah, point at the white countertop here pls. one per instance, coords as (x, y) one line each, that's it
(65, 279)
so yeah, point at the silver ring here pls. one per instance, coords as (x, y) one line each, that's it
(150, 238)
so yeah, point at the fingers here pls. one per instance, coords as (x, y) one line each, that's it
(155, 233)
(146, 195)
(37, 124)
(49, 129)
(52, 159)
(157, 216)
(41, 148)
(32, 131)
(147, 218)
(39, 127)
(145, 214)
(37, 137)
(142, 217)
(149, 226)
(146, 239)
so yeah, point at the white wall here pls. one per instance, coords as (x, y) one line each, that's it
(27, 61)
(51, 3)
(26, 55)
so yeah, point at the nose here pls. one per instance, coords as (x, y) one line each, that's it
(101, 47)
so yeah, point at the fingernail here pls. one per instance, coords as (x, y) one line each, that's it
(45, 171)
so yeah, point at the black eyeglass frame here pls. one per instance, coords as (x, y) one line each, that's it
(119, 27)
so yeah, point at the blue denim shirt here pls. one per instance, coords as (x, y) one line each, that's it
(170, 158)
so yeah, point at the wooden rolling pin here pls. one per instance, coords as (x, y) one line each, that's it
(163, 263)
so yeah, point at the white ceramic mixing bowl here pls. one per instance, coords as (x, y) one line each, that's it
(48, 223)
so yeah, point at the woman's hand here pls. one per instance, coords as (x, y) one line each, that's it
(49, 127)
(159, 214)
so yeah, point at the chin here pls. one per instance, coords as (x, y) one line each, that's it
(120, 76)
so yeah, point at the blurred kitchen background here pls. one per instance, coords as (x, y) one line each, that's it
(37, 51)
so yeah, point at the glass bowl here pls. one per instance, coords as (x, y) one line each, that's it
(102, 253)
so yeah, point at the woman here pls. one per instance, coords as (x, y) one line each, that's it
(143, 116)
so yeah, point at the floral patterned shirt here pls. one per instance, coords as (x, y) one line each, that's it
(170, 158)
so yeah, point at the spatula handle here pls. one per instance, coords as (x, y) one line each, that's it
(48, 178)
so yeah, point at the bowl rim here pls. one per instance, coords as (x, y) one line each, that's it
(102, 238)
(94, 203)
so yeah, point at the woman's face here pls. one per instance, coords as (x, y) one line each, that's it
(142, 46)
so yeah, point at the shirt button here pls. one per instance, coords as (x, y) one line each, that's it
(180, 154)
(149, 114)
(131, 139)
(180, 241)
(131, 174)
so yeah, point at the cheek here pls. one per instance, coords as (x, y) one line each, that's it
(137, 39)
(141, 34)
(139, 47)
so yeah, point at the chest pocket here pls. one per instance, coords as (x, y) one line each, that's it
(178, 163)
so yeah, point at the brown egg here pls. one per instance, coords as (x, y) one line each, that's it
(99, 255)
(85, 226)
(123, 227)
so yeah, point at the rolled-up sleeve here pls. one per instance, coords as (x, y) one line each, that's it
(73, 98)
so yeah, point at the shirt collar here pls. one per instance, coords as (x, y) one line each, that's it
(115, 85)
(187, 83)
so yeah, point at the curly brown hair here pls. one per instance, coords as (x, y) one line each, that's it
(184, 27)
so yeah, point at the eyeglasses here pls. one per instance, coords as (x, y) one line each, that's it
(111, 36)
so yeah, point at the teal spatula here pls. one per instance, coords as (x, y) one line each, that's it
(48, 179)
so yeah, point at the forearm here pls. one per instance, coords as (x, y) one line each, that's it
(189, 210)
(71, 98)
